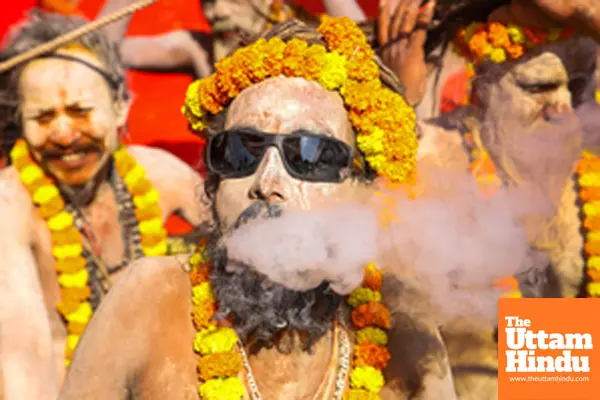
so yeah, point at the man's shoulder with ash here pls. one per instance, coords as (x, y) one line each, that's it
(16, 207)
(155, 280)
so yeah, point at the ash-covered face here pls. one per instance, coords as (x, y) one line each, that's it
(535, 92)
(228, 17)
(69, 116)
(287, 107)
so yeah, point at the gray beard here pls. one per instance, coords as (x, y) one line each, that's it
(261, 309)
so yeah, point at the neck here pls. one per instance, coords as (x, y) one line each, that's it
(83, 195)
(300, 372)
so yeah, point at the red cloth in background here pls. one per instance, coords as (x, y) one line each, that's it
(454, 91)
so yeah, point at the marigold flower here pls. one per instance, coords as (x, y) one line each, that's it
(82, 315)
(51, 208)
(199, 274)
(60, 221)
(360, 394)
(215, 340)
(75, 280)
(148, 213)
(367, 378)
(67, 251)
(219, 365)
(373, 277)
(153, 239)
(156, 251)
(30, 174)
(75, 295)
(222, 389)
(372, 334)
(593, 289)
(362, 295)
(594, 262)
(45, 194)
(203, 293)
(70, 265)
(70, 235)
(202, 315)
(372, 313)
(147, 200)
(124, 162)
(76, 328)
(369, 354)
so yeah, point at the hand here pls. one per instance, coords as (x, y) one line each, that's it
(402, 31)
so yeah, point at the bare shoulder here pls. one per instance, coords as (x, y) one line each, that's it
(16, 207)
(156, 280)
(161, 165)
(179, 185)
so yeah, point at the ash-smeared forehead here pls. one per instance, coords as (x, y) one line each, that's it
(284, 105)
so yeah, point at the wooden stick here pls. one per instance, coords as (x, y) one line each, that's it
(70, 36)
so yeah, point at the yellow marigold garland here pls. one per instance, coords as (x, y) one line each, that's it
(384, 122)
(498, 42)
(220, 362)
(588, 179)
(67, 242)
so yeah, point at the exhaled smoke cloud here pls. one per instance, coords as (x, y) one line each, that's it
(450, 242)
(302, 249)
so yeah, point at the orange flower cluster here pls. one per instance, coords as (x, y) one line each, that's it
(217, 365)
(371, 354)
(498, 42)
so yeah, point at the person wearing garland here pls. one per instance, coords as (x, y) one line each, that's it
(211, 332)
(77, 207)
(531, 76)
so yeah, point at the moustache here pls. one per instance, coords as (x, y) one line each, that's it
(54, 150)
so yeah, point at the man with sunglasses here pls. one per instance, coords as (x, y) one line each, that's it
(283, 145)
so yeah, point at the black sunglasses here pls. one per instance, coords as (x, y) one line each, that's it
(307, 156)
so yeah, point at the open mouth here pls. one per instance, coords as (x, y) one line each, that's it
(74, 159)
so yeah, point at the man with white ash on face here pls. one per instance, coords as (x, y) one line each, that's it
(77, 206)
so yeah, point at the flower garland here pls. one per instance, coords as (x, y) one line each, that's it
(220, 362)
(67, 241)
(371, 318)
(497, 42)
(588, 180)
(384, 122)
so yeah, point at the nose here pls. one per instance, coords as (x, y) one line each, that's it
(271, 180)
(63, 131)
(556, 112)
(220, 10)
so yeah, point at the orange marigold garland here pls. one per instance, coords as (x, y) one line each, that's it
(384, 122)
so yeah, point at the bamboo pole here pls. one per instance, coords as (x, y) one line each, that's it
(70, 36)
